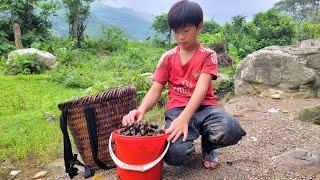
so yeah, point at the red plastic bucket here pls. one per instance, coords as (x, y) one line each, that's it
(138, 158)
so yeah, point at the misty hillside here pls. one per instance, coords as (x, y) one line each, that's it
(135, 24)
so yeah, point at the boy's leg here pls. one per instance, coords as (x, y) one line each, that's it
(219, 128)
(179, 151)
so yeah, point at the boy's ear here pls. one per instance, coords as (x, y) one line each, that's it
(200, 27)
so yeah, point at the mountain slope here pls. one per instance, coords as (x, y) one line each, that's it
(135, 24)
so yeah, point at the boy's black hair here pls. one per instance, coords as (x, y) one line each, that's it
(184, 13)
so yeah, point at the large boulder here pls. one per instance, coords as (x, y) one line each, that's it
(48, 60)
(309, 43)
(290, 71)
(298, 160)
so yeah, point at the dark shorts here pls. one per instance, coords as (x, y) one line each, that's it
(217, 128)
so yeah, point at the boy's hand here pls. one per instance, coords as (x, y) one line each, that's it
(134, 115)
(178, 127)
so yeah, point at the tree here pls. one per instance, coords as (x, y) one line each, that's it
(238, 22)
(160, 25)
(274, 28)
(78, 13)
(211, 27)
(31, 15)
(240, 34)
(309, 30)
(301, 10)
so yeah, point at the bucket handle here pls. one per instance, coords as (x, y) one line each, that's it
(141, 168)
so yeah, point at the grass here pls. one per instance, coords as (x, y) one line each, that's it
(156, 115)
(310, 114)
(25, 133)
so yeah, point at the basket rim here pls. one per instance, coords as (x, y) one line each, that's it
(114, 93)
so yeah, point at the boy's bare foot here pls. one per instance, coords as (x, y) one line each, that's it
(211, 161)
(211, 165)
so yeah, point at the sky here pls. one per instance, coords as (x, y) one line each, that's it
(219, 10)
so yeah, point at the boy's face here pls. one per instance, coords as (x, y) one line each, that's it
(187, 36)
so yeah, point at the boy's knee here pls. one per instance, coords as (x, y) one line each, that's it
(227, 132)
(177, 153)
(234, 130)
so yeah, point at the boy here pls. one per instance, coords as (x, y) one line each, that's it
(191, 108)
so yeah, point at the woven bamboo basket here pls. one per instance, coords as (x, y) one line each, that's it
(108, 109)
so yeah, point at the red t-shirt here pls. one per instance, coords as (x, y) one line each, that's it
(182, 79)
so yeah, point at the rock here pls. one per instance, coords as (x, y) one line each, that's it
(309, 43)
(273, 110)
(313, 61)
(276, 96)
(47, 59)
(15, 173)
(299, 161)
(273, 93)
(289, 129)
(293, 70)
(252, 138)
(40, 174)
(310, 114)
(17, 35)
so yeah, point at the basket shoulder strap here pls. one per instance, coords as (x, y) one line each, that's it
(91, 125)
(67, 149)
(70, 159)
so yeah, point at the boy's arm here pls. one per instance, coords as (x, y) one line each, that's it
(180, 125)
(149, 100)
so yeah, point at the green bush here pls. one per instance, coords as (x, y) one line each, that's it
(157, 41)
(29, 37)
(233, 51)
(55, 45)
(224, 60)
(217, 41)
(5, 45)
(138, 57)
(211, 27)
(274, 28)
(112, 39)
(26, 64)
(95, 45)
(245, 44)
(96, 88)
(310, 114)
(240, 37)
(142, 84)
(309, 30)
(72, 57)
(72, 77)
(225, 87)
(2, 65)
